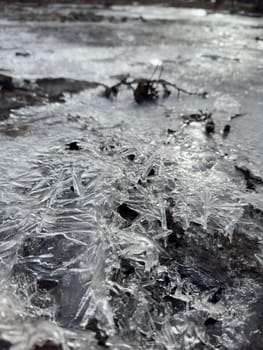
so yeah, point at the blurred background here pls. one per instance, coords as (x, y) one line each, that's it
(234, 5)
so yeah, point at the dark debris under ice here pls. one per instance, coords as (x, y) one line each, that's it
(127, 226)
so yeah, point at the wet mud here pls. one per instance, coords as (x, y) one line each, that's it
(22, 93)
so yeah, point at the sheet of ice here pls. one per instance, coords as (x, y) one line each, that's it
(180, 268)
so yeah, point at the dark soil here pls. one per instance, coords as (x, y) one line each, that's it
(15, 95)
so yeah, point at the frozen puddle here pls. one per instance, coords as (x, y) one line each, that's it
(124, 225)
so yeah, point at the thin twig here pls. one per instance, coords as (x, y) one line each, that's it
(237, 115)
(113, 90)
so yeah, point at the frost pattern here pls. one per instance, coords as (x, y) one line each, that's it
(72, 257)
